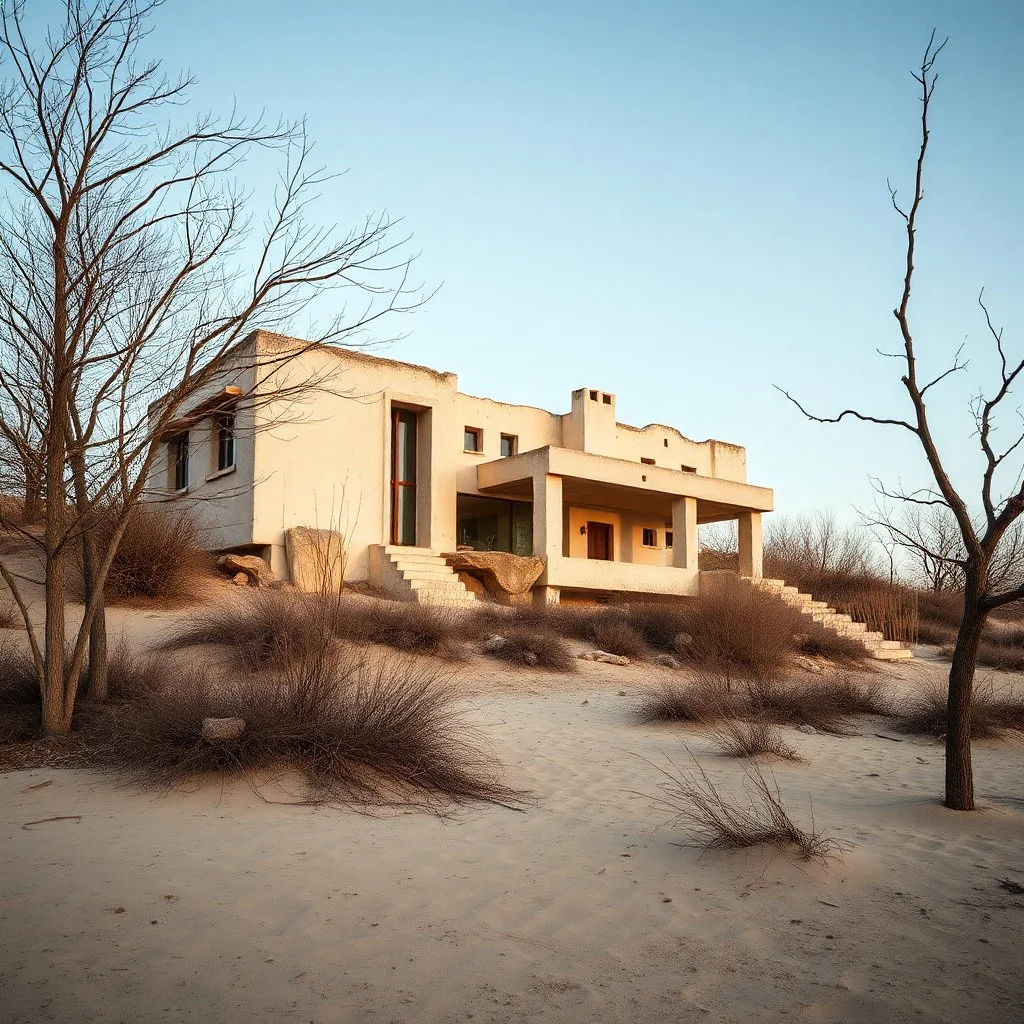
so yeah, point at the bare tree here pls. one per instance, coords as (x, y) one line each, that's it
(984, 536)
(130, 265)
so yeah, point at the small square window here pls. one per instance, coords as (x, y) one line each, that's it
(647, 462)
(509, 445)
(668, 538)
(473, 439)
(650, 539)
(607, 399)
(593, 396)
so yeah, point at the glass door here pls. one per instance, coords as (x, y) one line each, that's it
(403, 477)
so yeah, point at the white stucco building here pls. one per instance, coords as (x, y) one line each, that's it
(393, 456)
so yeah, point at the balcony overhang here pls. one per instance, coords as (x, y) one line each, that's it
(602, 482)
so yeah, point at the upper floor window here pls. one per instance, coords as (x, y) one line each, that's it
(509, 445)
(179, 462)
(647, 462)
(473, 440)
(225, 441)
(668, 538)
(650, 538)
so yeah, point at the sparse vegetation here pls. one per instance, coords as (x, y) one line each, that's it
(536, 648)
(716, 821)
(358, 730)
(992, 712)
(752, 739)
(160, 556)
(706, 699)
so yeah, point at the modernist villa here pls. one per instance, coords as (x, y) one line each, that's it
(408, 468)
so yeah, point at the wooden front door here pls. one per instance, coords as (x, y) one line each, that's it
(599, 541)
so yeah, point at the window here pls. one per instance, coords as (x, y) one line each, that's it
(593, 396)
(493, 524)
(668, 538)
(225, 441)
(666, 442)
(473, 440)
(509, 445)
(647, 462)
(650, 539)
(688, 469)
(179, 462)
(607, 399)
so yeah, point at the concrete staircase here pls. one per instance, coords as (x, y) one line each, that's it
(875, 644)
(418, 574)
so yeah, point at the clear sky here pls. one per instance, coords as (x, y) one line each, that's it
(684, 203)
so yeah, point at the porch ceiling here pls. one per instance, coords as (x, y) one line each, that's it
(601, 482)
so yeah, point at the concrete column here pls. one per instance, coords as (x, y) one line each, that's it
(545, 596)
(751, 547)
(547, 516)
(684, 533)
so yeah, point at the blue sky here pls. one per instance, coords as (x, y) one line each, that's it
(684, 203)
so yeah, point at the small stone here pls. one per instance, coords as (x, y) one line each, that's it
(219, 730)
(529, 658)
(493, 644)
(666, 660)
(606, 658)
(808, 729)
(240, 579)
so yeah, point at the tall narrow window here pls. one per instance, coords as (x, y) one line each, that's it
(403, 477)
(179, 462)
(509, 445)
(650, 538)
(225, 441)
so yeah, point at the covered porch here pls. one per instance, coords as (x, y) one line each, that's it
(606, 525)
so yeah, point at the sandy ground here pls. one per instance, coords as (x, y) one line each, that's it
(218, 906)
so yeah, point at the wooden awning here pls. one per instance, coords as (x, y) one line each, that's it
(220, 402)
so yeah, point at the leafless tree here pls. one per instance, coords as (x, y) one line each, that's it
(131, 264)
(816, 545)
(1000, 488)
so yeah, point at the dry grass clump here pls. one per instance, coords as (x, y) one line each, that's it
(707, 698)
(826, 703)
(715, 821)
(402, 625)
(1003, 649)
(536, 648)
(358, 731)
(10, 617)
(263, 629)
(659, 623)
(992, 712)
(741, 629)
(20, 700)
(617, 636)
(160, 556)
(752, 739)
(817, 641)
(938, 613)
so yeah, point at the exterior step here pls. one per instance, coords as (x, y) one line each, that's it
(422, 575)
(840, 623)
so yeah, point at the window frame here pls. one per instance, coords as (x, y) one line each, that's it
(513, 445)
(644, 531)
(220, 430)
(478, 436)
(178, 464)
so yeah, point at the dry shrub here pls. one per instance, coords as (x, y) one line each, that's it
(752, 739)
(817, 641)
(992, 712)
(536, 648)
(938, 613)
(617, 636)
(10, 617)
(708, 698)
(658, 622)
(717, 822)
(740, 629)
(402, 625)
(263, 629)
(20, 699)
(160, 556)
(1003, 649)
(358, 731)
(826, 703)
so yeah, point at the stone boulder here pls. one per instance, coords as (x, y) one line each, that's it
(316, 559)
(505, 576)
(605, 657)
(256, 570)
